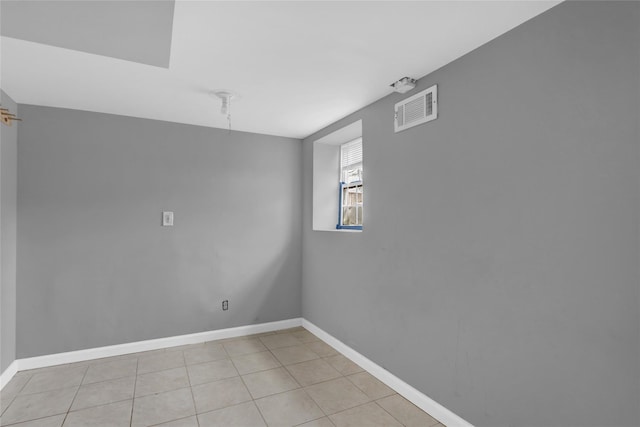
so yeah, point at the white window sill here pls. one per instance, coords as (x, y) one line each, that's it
(341, 230)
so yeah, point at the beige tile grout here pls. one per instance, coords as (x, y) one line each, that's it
(252, 399)
(102, 404)
(374, 401)
(10, 402)
(231, 358)
(133, 397)
(36, 419)
(75, 395)
(193, 398)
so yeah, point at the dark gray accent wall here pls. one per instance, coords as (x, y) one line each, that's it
(8, 197)
(95, 266)
(138, 31)
(498, 270)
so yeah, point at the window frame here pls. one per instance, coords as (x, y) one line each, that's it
(353, 184)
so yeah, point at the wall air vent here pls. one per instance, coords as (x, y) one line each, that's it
(417, 109)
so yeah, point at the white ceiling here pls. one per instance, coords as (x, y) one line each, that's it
(298, 66)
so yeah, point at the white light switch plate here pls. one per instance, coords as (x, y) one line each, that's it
(167, 219)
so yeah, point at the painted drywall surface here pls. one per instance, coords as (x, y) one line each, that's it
(96, 267)
(8, 175)
(130, 30)
(498, 267)
(326, 161)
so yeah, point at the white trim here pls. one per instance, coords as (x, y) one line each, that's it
(422, 401)
(135, 347)
(8, 373)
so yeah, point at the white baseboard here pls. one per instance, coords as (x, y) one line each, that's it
(8, 373)
(135, 347)
(422, 401)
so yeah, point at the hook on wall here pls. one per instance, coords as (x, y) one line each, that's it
(7, 117)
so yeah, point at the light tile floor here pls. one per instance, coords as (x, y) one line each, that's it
(284, 378)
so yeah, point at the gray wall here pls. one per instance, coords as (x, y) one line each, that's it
(498, 267)
(8, 175)
(94, 265)
(132, 30)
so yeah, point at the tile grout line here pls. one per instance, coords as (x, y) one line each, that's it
(311, 397)
(317, 404)
(346, 375)
(133, 398)
(60, 388)
(87, 367)
(251, 395)
(29, 421)
(392, 416)
(341, 375)
(12, 399)
(193, 398)
(376, 403)
(282, 365)
(75, 395)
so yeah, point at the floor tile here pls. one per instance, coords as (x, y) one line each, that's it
(343, 365)
(406, 412)
(184, 347)
(182, 422)
(288, 409)
(211, 384)
(295, 354)
(204, 353)
(55, 421)
(220, 394)
(160, 381)
(104, 392)
(370, 415)
(56, 368)
(243, 346)
(32, 406)
(254, 362)
(240, 338)
(114, 358)
(370, 385)
(321, 348)
(140, 354)
(160, 362)
(4, 404)
(13, 387)
(243, 415)
(54, 379)
(312, 372)
(305, 336)
(5, 401)
(111, 369)
(336, 395)
(320, 422)
(259, 334)
(279, 340)
(112, 415)
(273, 381)
(162, 407)
(290, 330)
(211, 371)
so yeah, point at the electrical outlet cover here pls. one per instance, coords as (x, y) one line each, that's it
(167, 219)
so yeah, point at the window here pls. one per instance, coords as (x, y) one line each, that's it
(327, 174)
(350, 206)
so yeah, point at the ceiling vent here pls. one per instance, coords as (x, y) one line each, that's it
(417, 109)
